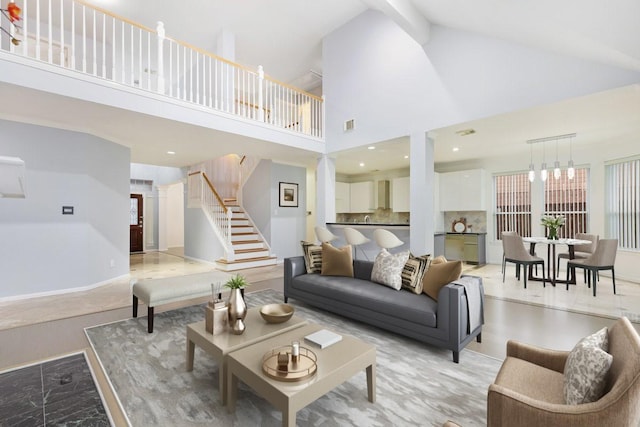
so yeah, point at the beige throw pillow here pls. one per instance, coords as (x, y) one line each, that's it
(312, 257)
(413, 272)
(440, 273)
(387, 268)
(337, 262)
(586, 368)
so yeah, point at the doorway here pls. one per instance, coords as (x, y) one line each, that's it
(135, 223)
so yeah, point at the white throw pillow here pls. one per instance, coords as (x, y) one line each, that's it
(585, 372)
(387, 268)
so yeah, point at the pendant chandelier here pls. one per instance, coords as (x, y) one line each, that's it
(557, 170)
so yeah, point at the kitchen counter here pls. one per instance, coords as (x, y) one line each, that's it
(466, 232)
(367, 224)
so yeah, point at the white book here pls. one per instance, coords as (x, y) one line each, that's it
(323, 338)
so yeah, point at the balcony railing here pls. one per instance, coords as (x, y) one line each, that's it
(94, 41)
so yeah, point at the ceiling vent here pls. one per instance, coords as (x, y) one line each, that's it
(349, 125)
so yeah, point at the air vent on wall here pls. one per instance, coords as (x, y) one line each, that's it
(349, 125)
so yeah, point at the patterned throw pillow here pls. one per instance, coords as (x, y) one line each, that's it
(413, 272)
(585, 371)
(312, 257)
(387, 268)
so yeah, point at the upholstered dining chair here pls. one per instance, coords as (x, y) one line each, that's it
(355, 238)
(386, 239)
(603, 258)
(515, 252)
(324, 235)
(581, 251)
(505, 233)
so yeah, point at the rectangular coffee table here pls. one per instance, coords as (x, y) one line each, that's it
(220, 345)
(336, 364)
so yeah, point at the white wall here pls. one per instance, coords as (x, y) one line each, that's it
(175, 215)
(43, 251)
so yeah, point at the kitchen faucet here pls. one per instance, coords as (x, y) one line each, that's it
(367, 219)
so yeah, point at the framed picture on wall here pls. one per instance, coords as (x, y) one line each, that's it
(289, 194)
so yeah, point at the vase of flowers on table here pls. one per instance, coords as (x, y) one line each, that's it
(552, 223)
(237, 307)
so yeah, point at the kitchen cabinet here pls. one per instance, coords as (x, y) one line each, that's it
(343, 197)
(463, 190)
(361, 197)
(467, 247)
(400, 194)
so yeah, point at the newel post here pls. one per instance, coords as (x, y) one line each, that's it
(160, 64)
(260, 92)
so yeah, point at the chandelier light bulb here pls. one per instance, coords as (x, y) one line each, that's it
(571, 172)
(543, 172)
(532, 173)
(556, 170)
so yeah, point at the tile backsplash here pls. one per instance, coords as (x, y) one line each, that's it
(476, 220)
(379, 216)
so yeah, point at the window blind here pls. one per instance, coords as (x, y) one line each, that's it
(512, 210)
(568, 197)
(622, 191)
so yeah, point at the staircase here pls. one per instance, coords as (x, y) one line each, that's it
(249, 249)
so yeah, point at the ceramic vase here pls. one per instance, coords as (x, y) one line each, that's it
(237, 312)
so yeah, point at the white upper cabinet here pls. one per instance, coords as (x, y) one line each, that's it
(362, 197)
(463, 190)
(343, 197)
(400, 190)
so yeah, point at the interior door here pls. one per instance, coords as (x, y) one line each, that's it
(135, 223)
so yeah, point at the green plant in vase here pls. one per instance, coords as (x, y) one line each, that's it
(237, 307)
(552, 223)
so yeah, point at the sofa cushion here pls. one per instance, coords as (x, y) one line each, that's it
(531, 380)
(336, 262)
(413, 272)
(586, 368)
(418, 309)
(438, 275)
(312, 257)
(387, 268)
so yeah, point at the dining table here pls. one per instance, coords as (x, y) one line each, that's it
(551, 257)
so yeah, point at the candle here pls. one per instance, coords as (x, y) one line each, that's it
(295, 349)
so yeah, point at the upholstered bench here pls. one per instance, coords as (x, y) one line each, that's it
(154, 292)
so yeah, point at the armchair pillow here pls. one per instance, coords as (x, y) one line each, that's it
(586, 368)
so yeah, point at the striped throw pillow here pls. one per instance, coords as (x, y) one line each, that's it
(413, 272)
(312, 257)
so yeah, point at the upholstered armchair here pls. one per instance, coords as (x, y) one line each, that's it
(528, 390)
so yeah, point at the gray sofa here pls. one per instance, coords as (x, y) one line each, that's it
(442, 323)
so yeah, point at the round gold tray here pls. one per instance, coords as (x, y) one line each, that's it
(304, 368)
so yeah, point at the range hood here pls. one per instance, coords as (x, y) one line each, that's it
(383, 194)
(12, 177)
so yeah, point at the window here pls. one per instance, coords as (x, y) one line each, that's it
(622, 190)
(512, 204)
(568, 197)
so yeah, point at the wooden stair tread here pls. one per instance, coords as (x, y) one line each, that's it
(246, 251)
(243, 234)
(247, 225)
(246, 242)
(239, 261)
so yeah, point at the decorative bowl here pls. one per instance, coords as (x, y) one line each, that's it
(276, 313)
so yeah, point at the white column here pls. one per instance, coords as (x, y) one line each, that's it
(325, 190)
(163, 217)
(422, 181)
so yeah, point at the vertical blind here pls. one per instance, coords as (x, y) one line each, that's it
(623, 203)
(568, 197)
(512, 204)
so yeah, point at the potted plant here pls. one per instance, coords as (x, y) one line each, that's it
(237, 307)
(553, 223)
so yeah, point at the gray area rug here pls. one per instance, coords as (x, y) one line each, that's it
(416, 384)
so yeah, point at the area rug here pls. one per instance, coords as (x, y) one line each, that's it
(56, 392)
(416, 384)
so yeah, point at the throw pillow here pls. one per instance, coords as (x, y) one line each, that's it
(439, 274)
(585, 372)
(312, 257)
(387, 268)
(413, 272)
(336, 261)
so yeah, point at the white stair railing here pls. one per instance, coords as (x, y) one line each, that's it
(85, 38)
(218, 214)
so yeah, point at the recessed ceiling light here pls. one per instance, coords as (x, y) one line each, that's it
(171, 152)
(456, 149)
(406, 157)
(361, 164)
(371, 147)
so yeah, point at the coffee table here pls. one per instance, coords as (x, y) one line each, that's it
(336, 364)
(220, 345)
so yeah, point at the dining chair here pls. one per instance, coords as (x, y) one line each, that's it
(603, 258)
(505, 233)
(581, 251)
(355, 238)
(515, 252)
(324, 235)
